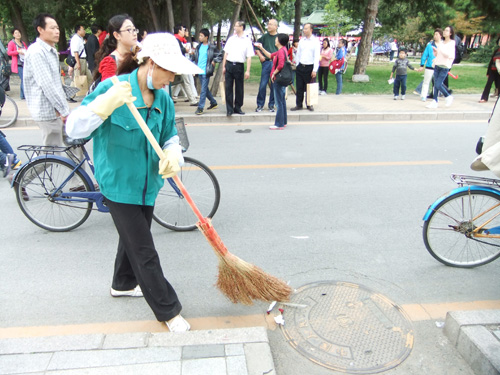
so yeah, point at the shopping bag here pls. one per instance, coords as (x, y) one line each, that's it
(222, 90)
(312, 94)
(81, 83)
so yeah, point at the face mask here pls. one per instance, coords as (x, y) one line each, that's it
(149, 79)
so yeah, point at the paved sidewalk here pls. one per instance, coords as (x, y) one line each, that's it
(238, 351)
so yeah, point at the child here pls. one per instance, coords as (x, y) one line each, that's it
(400, 66)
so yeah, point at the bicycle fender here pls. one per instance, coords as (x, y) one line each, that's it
(52, 157)
(433, 206)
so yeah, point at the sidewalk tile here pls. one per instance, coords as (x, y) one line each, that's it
(126, 340)
(202, 351)
(165, 368)
(259, 359)
(234, 349)
(236, 365)
(50, 344)
(24, 363)
(205, 366)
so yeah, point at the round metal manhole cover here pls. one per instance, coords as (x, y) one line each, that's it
(349, 328)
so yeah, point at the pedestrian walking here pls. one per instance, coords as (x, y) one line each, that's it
(237, 50)
(492, 73)
(92, 46)
(445, 55)
(128, 170)
(179, 33)
(16, 49)
(268, 42)
(427, 61)
(77, 46)
(326, 56)
(394, 48)
(308, 63)
(401, 66)
(205, 56)
(278, 59)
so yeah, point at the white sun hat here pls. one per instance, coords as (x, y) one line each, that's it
(164, 50)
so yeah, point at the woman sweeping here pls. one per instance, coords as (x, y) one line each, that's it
(129, 171)
(279, 57)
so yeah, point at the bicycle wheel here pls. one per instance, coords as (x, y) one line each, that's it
(448, 233)
(34, 186)
(9, 113)
(171, 209)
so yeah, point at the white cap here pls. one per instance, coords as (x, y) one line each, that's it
(164, 50)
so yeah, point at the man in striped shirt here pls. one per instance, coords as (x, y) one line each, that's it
(42, 82)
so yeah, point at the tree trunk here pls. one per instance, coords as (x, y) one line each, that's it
(249, 6)
(219, 32)
(198, 14)
(18, 20)
(186, 16)
(298, 15)
(365, 44)
(218, 74)
(152, 10)
(170, 16)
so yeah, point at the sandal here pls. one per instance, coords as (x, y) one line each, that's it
(483, 101)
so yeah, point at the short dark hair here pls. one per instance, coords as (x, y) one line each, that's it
(205, 32)
(39, 21)
(283, 39)
(344, 42)
(77, 27)
(440, 31)
(177, 28)
(241, 23)
(95, 28)
(14, 30)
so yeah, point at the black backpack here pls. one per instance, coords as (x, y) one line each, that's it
(459, 50)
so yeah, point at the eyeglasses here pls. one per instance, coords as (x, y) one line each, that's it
(131, 31)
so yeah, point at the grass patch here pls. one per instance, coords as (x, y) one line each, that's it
(472, 79)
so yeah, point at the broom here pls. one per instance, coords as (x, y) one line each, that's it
(238, 280)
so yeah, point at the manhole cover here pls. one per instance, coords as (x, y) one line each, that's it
(346, 327)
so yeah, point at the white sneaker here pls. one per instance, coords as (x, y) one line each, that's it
(136, 292)
(395, 98)
(448, 100)
(432, 105)
(423, 99)
(402, 97)
(178, 324)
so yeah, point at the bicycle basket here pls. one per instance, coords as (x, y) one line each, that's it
(181, 132)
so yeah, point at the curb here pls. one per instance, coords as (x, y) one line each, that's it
(476, 335)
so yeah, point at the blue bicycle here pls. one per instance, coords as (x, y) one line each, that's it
(56, 193)
(462, 228)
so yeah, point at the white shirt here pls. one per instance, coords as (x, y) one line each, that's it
(238, 49)
(309, 51)
(78, 46)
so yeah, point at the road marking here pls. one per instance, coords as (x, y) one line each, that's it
(333, 165)
(416, 313)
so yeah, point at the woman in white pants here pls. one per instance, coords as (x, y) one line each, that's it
(427, 61)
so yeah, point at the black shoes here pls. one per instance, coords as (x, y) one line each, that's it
(212, 106)
(239, 112)
(311, 108)
(71, 100)
(296, 108)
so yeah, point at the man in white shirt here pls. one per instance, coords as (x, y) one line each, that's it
(237, 49)
(308, 63)
(78, 51)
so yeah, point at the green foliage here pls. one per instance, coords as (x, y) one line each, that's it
(287, 9)
(482, 54)
(339, 21)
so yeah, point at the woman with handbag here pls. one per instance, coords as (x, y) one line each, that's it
(279, 58)
(16, 49)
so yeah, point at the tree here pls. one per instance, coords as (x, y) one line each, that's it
(366, 37)
(338, 21)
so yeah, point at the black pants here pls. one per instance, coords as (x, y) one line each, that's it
(137, 261)
(323, 78)
(492, 77)
(303, 78)
(235, 75)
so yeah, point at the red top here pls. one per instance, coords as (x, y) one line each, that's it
(102, 36)
(280, 59)
(107, 67)
(12, 52)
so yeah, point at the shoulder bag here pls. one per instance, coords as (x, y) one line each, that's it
(284, 77)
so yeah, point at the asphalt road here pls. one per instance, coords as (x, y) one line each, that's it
(341, 201)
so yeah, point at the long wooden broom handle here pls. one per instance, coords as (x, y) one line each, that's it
(159, 152)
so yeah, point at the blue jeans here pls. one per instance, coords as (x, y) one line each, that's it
(20, 72)
(338, 77)
(205, 92)
(440, 75)
(267, 66)
(400, 81)
(279, 95)
(6, 148)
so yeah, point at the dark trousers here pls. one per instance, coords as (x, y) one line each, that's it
(323, 78)
(303, 78)
(492, 77)
(137, 261)
(235, 73)
(400, 81)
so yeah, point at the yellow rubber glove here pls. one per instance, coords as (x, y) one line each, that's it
(117, 95)
(169, 164)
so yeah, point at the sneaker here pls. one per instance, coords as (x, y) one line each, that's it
(15, 164)
(8, 162)
(198, 112)
(272, 109)
(423, 99)
(274, 127)
(136, 292)
(448, 101)
(416, 92)
(432, 105)
(402, 97)
(311, 108)
(395, 97)
(193, 104)
(296, 108)
(212, 106)
(178, 324)
(259, 109)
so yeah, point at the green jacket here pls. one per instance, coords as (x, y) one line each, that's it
(126, 164)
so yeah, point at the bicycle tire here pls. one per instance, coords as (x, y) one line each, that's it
(448, 231)
(9, 113)
(173, 212)
(32, 189)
